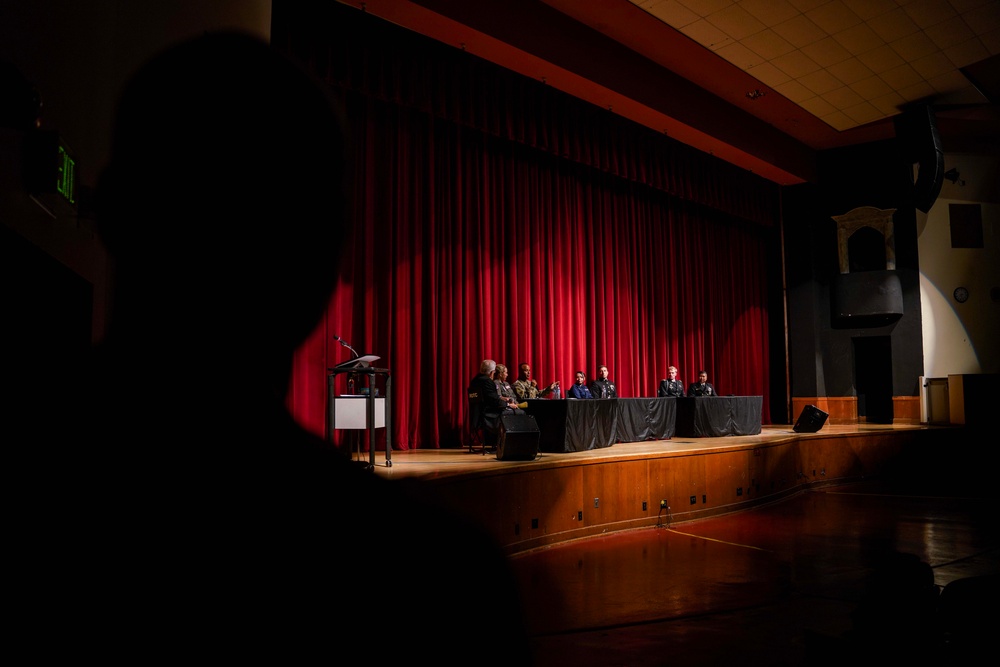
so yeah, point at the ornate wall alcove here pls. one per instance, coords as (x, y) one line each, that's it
(867, 292)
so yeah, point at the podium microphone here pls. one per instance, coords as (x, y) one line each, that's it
(347, 345)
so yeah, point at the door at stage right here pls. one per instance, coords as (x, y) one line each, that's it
(873, 378)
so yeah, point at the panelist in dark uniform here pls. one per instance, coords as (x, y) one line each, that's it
(579, 388)
(702, 387)
(602, 387)
(671, 386)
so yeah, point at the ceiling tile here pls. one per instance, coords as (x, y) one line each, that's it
(951, 82)
(672, 13)
(851, 71)
(933, 65)
(926, 13)
(984, 19)
(768, 44)
(859, 39)
(770, 12)
(918, 91)
(843, 97)
(795, 91)
(913, 46)
(826, 52)
(966, 6)
(769, 75)
(800, 31)
(863, 113)
(869, 9)
(735, 22)
(707, 34)
(967, 53)
(893, 26)
(817, 106)
(967, 95)
(705, 7)
(806, 5)
(838, 121)
(848, 62)
(871, 88)
(833, 17)
(821, 82)
(740, 56)
(901, 77)
(881, 59)
(951, 32)
(889, 104)
(795, 64)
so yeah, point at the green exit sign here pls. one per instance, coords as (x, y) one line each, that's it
(66, 175)
(49, 166)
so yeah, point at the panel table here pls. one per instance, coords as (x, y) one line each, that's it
(642, 419)
(716, 416)
(571, 425)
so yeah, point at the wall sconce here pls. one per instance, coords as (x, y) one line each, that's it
(953, 176)
(756, 94)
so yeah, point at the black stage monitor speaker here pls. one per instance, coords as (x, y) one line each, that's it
(518, 438)
(811, 420)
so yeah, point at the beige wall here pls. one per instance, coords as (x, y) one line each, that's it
(961, 338)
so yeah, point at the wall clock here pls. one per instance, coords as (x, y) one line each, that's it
(961, 294)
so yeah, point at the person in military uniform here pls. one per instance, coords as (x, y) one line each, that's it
(702, 387)
(527, 389)
(579, 388)
(602, 387)
(671, 386)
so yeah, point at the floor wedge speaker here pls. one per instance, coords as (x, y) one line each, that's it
(810, 420)
(518, 438)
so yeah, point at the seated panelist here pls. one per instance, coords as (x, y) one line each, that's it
(603, 387)
(671, 386)
(486, 404)
(505, 390)
(702, 387)
(579, 388)
(527, 389)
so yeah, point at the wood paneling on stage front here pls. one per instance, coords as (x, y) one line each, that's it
(563, 497)
(844, 409)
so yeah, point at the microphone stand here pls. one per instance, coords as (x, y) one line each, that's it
(347, 345)
(351, 378)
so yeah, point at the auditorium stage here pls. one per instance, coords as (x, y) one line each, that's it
(440, 463)
(564, 496)
(778, 575)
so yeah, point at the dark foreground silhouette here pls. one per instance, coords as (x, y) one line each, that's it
(166, 505)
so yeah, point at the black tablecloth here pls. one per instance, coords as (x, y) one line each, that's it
(645, 419)
(713, 416)
(573, 425)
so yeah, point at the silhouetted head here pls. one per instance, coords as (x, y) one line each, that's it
(223, 205)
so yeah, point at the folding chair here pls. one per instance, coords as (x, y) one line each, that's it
(477, 429)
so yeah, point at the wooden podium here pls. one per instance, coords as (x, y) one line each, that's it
(363, 410)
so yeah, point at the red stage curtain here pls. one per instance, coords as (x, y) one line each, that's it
(504, 220)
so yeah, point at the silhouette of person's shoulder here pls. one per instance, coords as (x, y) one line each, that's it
(172, 506)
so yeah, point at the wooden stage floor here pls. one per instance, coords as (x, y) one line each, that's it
(830, 574)
(437, 463)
